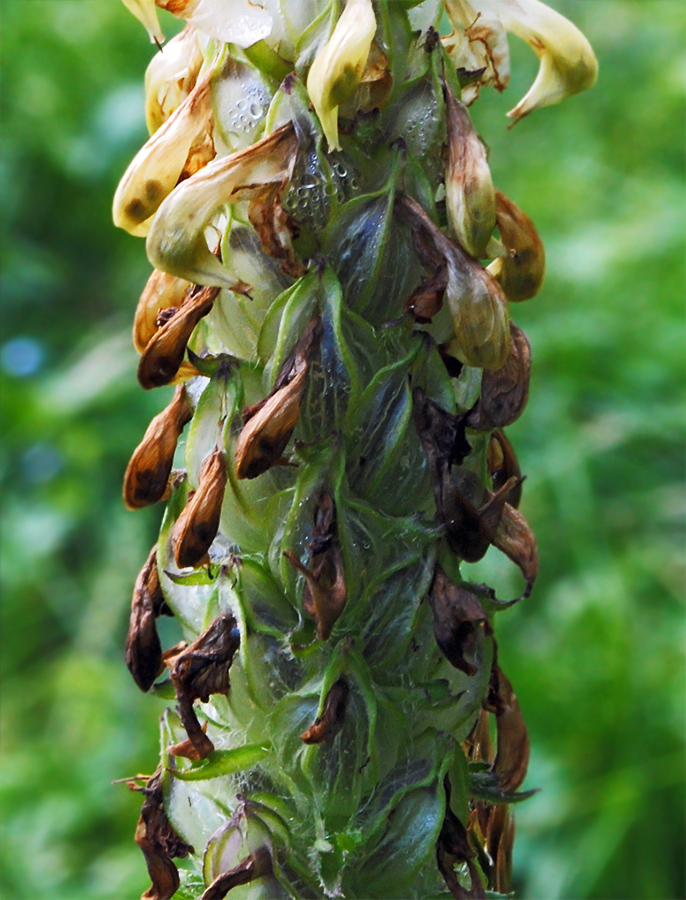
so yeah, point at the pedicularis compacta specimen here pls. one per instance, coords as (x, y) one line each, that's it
(319, 210)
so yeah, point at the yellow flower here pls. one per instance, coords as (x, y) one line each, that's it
(338, 67)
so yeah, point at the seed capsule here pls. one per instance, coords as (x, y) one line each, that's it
(198, 524)
(148, 471)
(520, 273)
(470, 197)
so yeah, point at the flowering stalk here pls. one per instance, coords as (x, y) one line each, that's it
(320, 215)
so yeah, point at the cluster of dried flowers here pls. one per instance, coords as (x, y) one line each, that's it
(320, 216)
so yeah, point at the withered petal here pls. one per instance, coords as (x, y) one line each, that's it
(516, 540)
(504, 391)
(143, 653)
(457, 616)
(147, 473)
(521, 273)
(164, 353)
(198, 524)
(202, 669)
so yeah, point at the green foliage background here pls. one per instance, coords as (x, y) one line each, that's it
(596, 655)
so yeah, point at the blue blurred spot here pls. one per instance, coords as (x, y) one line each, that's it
(22, 356)
(41, 463)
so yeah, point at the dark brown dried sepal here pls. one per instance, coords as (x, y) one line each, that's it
(516, 540)
(512, 757)
(269, 424)
(453, 849)
(159, 842)
(198, 524)
(147, 473)
(164, 353)
(202, 669)
(331, 720)
(143, 653)
(472, 514)
(458, 617)
(325, 593)
(254, 866)
(504, 391)
(503, 465)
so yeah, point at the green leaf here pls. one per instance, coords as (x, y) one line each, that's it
(225, 762)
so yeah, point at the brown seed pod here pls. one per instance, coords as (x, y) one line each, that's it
(331, 719)
(458, 616)
(164, 353)
(202, 669)
(268, 425)
(520, 274)
(148, 471)
(143, 653)
(198, 524)
(159, 842)
(162, 291)
(504, 391)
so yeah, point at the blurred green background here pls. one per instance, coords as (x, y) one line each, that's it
(596, 655)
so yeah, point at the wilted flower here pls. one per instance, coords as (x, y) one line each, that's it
(198, 524)
(157, 167)
(519, 273)
(164, 352)
(161, 292)
(170, 77)
(269, 424)
(177, 243)
(470, 198)
(477, 303)
(148, 471)
(338, 67)
(568, 64)
(478, 47)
